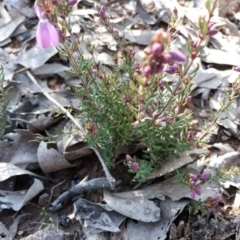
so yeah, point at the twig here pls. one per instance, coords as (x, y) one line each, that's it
(110, 178)
(80, 188)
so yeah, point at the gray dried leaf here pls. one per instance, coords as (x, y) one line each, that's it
(5, 16)
(169, 188)
(35, 57)
(141, 37)
(159, 229)
(137, 208)
(4, 232)
(20, 6)
(95, 218)
(8, 170)
(225, 148)
(7, 29)
(176, 163)
(20, 150)
(16, 200)
(144, 15)
(209, 78)
(50, 160)
(14, 226)
(217, 56)
(50, 69)
(46, 233)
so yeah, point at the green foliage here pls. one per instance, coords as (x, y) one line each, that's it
(49, 222)
(131, 102)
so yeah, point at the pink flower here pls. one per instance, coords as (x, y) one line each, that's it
(193, 177)
(171, 69)
(155, 115)
(147, 71)
(218, 198)
(165, 119)
(237, 69)
(101, 12)
(72, 2)
(47, 34)
(134, 166)
(128, 157)
(204, 176)
(178, 56)
(195, 191)
(157, 48)
(212, 32)
(38, 10)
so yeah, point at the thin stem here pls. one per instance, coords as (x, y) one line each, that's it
(47, 95)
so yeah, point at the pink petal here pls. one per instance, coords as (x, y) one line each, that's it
(237, 69)
(193, 194)
(38, 10)
(53, 35)
(42, 35)
(197, 191)
(178, 56)
(47, 34)
(204, 176)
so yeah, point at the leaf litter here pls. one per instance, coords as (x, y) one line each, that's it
(37, 83)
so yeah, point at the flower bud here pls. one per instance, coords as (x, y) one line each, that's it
(147, 71)
(165, 119)
(193, 177)
(128, 157)
(157, 48)
(134, 166)
(178, 56)
(55, 2)
(194, 55)
(212, 32)
(172, 69)
(237, 69)
(72, 2)
(155, 115)
(204, 176)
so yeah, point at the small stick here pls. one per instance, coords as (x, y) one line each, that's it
(48, 96)
(80, 188)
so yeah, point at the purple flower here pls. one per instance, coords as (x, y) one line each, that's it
(134, 166)
(155, 115)
(72, 2)
(178, 56)
(193, 177)
(161, 85)
(47, 34)
(55, 2)
(157, 48)
(212, 32)
(210, 25)
(195, 191)
(204, 176)
(218, 198)
(128, 157)
(147, 71)
(165, 119)
(167, 58)
(193, 194)
(237, 69)
(171, 69)
(101, 12)
(38, 10)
